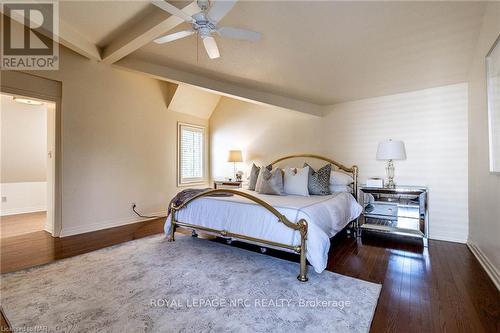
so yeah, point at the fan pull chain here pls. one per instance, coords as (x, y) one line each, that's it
(197, 46)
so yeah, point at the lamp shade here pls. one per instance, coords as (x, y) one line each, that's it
(391, 150)
(235, 156)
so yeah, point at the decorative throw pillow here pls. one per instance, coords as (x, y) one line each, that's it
(270, 182)
(295, 182)
(254, 174)
(340, 178)
(258, 182)
(319, 181)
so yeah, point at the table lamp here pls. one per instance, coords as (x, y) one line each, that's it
(391, 151)
(235, 156)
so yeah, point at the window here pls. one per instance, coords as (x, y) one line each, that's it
(191, 147)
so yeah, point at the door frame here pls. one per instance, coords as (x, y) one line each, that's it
(20, 83)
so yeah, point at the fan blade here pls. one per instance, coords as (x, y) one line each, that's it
(220, 8)
(242, 34)
(211, 47)
(173, 10)
(174, 36)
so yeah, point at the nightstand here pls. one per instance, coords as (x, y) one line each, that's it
(400, 211)
(225, 184)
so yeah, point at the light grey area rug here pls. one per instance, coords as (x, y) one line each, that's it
(190, 285)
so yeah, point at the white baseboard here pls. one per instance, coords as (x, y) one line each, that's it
(23, 197)
(486, 263)
(106, 224)
(22, 210)
(449, 239)
(49, 227)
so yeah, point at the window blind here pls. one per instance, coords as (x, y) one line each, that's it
(191, 142)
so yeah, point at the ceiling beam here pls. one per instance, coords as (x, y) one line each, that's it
(157, 23)
(70, 38)
(220, 87)
(73, 40)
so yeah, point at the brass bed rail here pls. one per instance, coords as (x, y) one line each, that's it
(353, 171)
(300, 226)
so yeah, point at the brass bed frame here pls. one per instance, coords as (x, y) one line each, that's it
(300, 226)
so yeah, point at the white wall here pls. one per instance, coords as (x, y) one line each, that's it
(262, 132)
(484, 196)
(118, 144)
(23, 141)
(432, 122)
(25, 197)
(433, 125)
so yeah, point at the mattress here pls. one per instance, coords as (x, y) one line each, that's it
(326, 216)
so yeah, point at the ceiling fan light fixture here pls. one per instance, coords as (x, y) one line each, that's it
(204, 24)
(203, 4)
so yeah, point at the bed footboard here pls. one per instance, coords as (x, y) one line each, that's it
(300, 226)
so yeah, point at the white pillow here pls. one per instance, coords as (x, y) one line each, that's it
(340, 178)
(340, 188)
(296, 182)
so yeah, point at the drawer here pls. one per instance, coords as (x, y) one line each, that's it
(382, 208)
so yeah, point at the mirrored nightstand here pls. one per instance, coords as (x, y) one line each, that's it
(398, 211)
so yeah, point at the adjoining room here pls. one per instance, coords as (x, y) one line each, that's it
(27, 165)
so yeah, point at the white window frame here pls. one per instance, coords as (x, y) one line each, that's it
(191, 181)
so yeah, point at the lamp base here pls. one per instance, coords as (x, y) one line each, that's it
(390, 175)
(390, 184)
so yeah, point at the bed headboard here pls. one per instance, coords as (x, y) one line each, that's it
(353, 171)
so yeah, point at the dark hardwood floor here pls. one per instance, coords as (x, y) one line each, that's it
(441, 288)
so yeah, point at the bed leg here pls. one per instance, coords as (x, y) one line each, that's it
(303, 266)
(172, 226)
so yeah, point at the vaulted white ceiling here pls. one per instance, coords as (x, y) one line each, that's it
(102, 21)
(194, 101)
(320, 52)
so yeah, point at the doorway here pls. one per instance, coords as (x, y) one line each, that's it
(27, 165)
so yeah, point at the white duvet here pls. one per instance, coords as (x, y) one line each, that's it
(326, 216)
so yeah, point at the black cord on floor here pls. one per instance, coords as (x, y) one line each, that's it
(145, 216)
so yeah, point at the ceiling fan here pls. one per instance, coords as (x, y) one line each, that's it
(204, 23)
